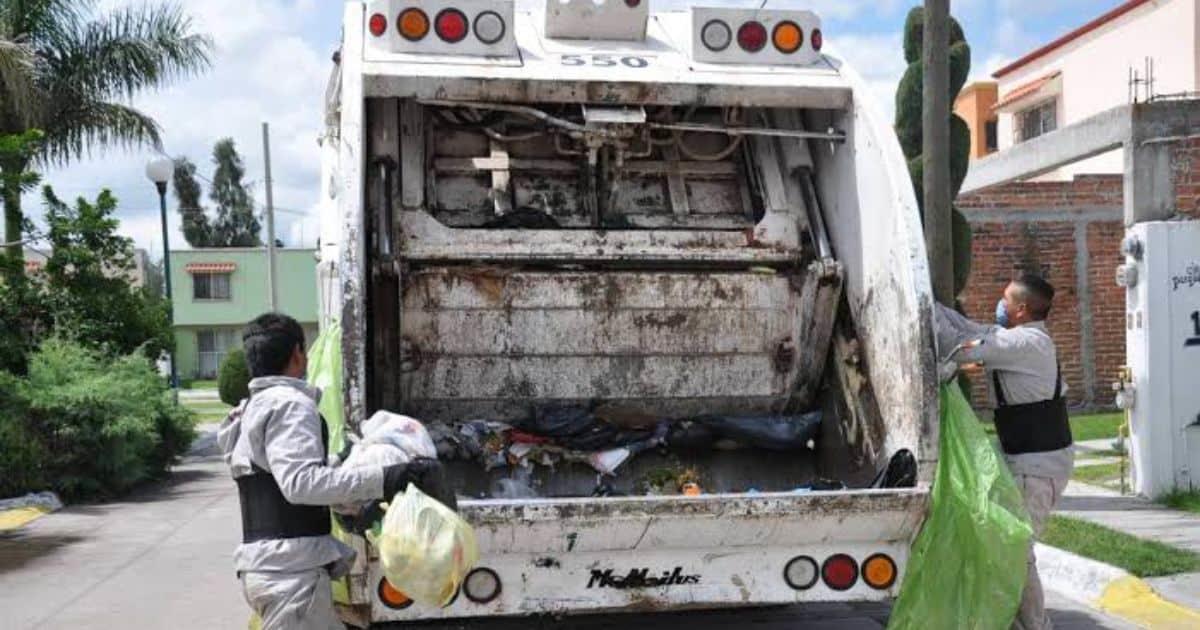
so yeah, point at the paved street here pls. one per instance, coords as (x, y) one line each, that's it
(161, 559)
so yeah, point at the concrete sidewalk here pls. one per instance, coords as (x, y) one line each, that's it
(158, 559)
(1146, 520)
(1133, 515)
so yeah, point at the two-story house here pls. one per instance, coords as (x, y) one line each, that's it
(217, 291)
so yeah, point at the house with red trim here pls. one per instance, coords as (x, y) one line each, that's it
(1137, 51)
(218, 291)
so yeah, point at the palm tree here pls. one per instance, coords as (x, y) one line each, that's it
(81, 71)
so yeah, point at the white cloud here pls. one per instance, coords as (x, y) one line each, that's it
(263, 71)
(880, 61)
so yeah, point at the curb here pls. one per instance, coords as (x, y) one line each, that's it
(1111, 590)
(19, 512)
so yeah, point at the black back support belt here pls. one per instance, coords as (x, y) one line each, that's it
(1037, 427)
(267, 514)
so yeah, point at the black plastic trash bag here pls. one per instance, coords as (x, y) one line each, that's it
(578, 429)
(774, 433)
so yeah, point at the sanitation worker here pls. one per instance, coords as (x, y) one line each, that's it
(1026, 390)
(275, 443)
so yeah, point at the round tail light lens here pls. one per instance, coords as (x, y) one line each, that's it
(879, 572)
(414, 24)
(451, 25)
(489, 27)
(752, 36)
(787, 37)
(818, 39)
(840, 572)
(801, 573)
(482, 586)
(633, 4)
(392, 597)
(716, 36)
(378, 25)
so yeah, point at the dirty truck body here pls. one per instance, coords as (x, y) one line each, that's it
(605, 206)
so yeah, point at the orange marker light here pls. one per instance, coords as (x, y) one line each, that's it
(413, 24)
(391, 597)
(879, 571)
(788, 37)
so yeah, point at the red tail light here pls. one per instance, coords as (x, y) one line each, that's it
(752, 36)
(840, 572)
(378, 25)
(633, 4)
(451, 25)
(818, 39)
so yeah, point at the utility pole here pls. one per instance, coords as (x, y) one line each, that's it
(936, 128)
(271, 277)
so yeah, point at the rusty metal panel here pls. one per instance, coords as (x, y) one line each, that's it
(489, 340)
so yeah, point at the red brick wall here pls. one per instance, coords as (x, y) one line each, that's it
(1084, 191)
(1035, 227)
(1185, 165)
(1107, 305)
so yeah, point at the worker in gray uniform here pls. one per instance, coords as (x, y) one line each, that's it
(276, 443)
(1027, 391)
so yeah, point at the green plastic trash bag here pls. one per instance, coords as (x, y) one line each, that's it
(325, 373)
(967, 567)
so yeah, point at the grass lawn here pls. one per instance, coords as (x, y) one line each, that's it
(1097, 426)
(1099, 474)
(198, 385)
(1189, 501)
(1142, 558)
(207, 412)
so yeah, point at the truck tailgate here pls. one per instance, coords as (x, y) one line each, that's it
(651, 553)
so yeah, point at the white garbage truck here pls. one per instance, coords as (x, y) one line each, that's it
(657, 215)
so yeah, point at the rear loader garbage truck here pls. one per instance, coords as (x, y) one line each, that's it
(652, 275)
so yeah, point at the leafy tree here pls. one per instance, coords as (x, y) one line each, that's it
(16, 148)
(235, 224)
(84, 69)
(87, 284)
(197, 230)
(910, 128)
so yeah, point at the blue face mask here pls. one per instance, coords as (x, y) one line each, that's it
(1002, 314)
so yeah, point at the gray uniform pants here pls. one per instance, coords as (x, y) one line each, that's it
(292, 601)
(1041, 495)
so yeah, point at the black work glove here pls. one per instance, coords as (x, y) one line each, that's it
(427, 474)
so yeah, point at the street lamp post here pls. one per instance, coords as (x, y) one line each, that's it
(160, 171)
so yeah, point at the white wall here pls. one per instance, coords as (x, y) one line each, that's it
(1095, 70)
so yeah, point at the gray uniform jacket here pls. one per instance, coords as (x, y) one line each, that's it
(1026, 361)
(279, 430)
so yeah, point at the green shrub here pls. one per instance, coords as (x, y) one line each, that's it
(910, 128)
(233, 379)
(21, 454)
(96, 426)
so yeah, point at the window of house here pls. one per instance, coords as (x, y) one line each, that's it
(211, 286)
(212, 345)
(992, 136)
(1037, 120)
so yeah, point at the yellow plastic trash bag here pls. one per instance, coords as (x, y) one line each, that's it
(425, 548)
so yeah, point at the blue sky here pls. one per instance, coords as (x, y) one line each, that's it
(272, 64)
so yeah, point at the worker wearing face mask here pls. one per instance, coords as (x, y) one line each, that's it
(1027, 391)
